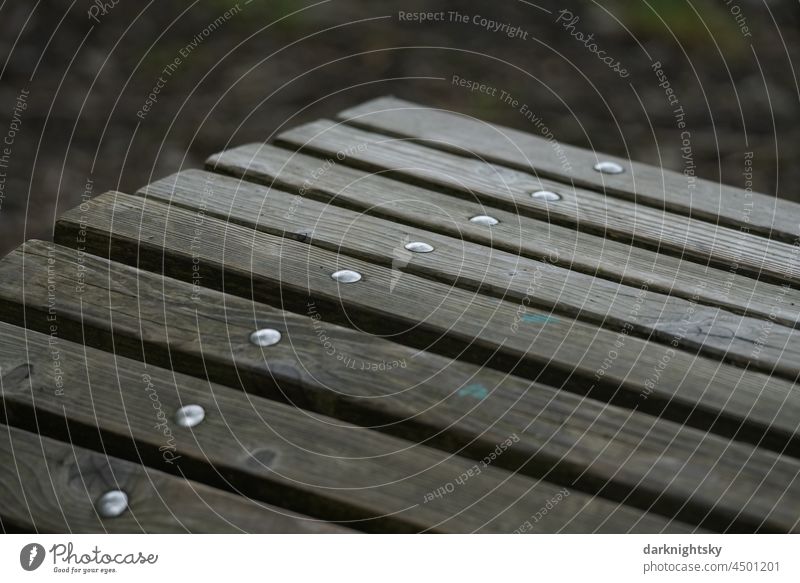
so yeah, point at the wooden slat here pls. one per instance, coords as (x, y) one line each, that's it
(449, 215)
(580, 208)
(702, 199)
(496, 273)
(592, 446)
(277, 453)
(52, 486)
(426, 314)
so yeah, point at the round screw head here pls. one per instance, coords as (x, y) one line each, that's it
(190, 415)
(419, 247)
(265, 337)
(484, 220)
(546, 195)
(609, 168)
(346, 276)
(112, 504)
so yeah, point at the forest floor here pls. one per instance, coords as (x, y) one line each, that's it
(73, 87)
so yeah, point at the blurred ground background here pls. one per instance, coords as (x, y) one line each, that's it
(259, 72)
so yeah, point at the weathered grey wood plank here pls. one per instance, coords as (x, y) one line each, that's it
(587, 210)
(456, 323)
(276, 453)
(739, 340)
(702, 199)
(52, 486)
(332, 182)
(592, 446)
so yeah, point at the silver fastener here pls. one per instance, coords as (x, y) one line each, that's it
(112, 504)
(419, 247)
(609, 168)
(265, 337)
(546, 195)
(346, 276)
(190, 415)
(484, 220)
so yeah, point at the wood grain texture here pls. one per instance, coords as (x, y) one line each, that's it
(277, 453)
(626, 456)
(576, 356)
(579, 208)
(702, 199)
(721, 334)
(51, 486)
(377, 195)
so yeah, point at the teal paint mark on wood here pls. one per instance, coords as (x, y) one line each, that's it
(475, 390)
(539, 318)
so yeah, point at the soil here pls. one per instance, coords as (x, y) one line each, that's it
(76, 78)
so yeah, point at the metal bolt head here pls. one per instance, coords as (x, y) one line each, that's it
(346, 276)
(419, 247)
(265, 337)
(190, 415)
(484, 220)
(609, 168)
(112, 504)
(546, 195)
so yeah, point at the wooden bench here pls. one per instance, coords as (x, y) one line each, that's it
(406, 320)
